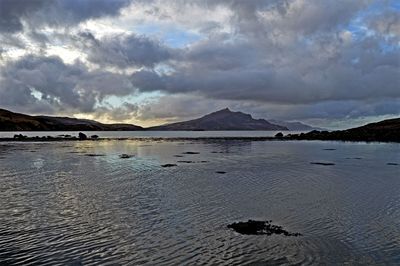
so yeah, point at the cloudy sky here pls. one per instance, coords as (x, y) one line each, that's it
(330, 63)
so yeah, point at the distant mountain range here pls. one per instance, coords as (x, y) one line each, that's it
(294, 126)
(10, 121)
(224, 119)
(386, 130)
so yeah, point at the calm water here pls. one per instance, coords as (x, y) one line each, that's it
(60, 206)
(151, 134)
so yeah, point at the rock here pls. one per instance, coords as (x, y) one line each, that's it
(279, 135)
(178, 156)
(185, 161)
(252, 227)
(329, 149)
(125, 156)
(191, 152)
(220, 172)
(392, 164)
(94, 137)
(168, 165)
(321, 163)
(94, 155)
(82, 136)
(20, 137)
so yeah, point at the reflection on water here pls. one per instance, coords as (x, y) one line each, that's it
(150, 134)
(59, 206)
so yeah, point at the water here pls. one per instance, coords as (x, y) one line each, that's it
(60, 206)
(150, 134)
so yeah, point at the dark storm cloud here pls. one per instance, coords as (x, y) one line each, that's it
(124, 50)
(50, 12)
(323, 58)
(60, 86)
(234, 72)
(12, 11)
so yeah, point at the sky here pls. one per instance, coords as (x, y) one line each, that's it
(330, 63)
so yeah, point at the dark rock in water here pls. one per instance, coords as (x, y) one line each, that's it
(329, 149)
(353, 158)
(125, 156)
(191, 152)
(168, 165)
(94, 137)
(20, 137)
(220, 172)
(82, 136)
(178, 156)
(94, 155)
(279, 135)
(252, 227)
(392, 164)
(192, 161)
(320, 163)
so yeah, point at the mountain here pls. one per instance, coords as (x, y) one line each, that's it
(294, 126)
(10, 121)
(386, 130)
(224, 119)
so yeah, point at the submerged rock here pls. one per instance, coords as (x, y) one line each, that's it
(94, 155)
(252, 227)
(192, 161)
(392, 164)
(125, 156)
(329, 149)
(191, 152)
(321, 163)
(168, 165)
(220, 172)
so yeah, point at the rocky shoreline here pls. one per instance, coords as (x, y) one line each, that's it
(313, 135)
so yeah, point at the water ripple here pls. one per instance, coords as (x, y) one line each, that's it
(59, 207)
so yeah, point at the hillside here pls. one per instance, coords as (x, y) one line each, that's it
(224, 119)
(386, 130)
(10, 121)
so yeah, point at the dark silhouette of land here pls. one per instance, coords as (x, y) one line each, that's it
(10, 121)
(223, 119)
(385, 131)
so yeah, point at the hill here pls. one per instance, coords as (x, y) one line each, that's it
(386, 130)
(10, 121)
(223, 119)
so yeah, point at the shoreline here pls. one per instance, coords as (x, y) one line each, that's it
(285, 138)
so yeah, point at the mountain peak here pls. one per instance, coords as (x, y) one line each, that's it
(225, 110)
(223, 119)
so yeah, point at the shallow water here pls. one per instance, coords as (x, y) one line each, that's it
(150, 134)
(60, 206)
